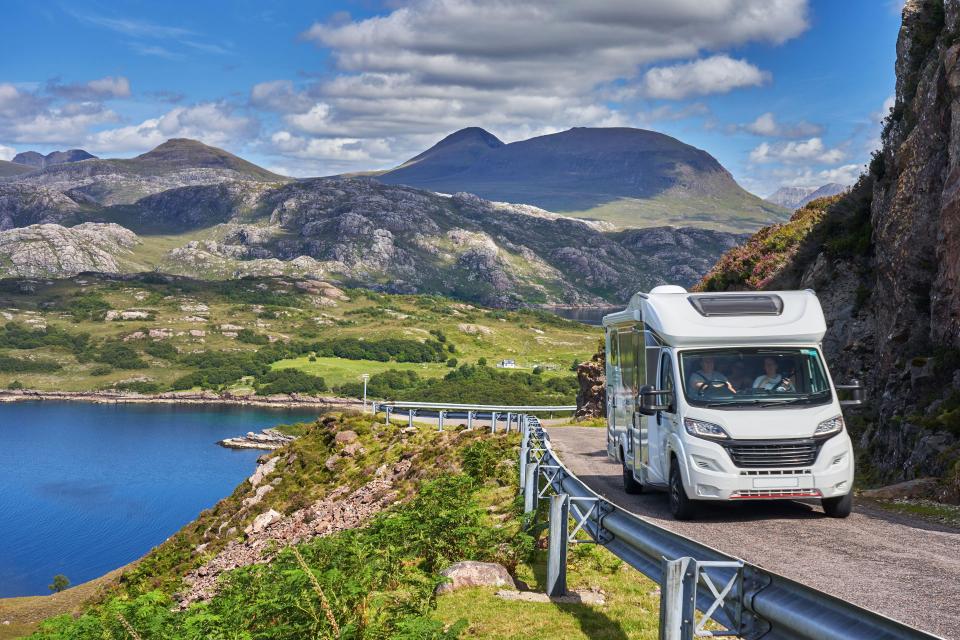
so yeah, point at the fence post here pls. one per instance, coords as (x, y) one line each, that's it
(678, 594)
(530, 488)
(389, 409)
(440, 420)
(557, 552)
(469, 419)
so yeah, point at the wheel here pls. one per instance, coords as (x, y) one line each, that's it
(630, 484)
(838, 507)
(682, 507)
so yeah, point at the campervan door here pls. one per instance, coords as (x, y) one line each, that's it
(625, 366)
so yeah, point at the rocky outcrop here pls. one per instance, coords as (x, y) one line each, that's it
(22, 205)
(885, 261)
(51, 250)
(592, 391)
(267, 439)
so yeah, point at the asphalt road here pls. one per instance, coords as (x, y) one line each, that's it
(903, 568)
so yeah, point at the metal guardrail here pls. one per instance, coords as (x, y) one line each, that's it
(749, 601)
(509, 414)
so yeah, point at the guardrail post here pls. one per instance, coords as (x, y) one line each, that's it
(509, 421)
(524, 455)
(530, 488)
(389, 409)
(493, 422)
(373, 406)
(440, 420)
(557, 551)
(469, 419)
(410, 418)
(678, 595)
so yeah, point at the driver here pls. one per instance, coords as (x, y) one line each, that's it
(708, 376)
(771, 380)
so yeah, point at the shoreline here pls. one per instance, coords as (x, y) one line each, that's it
(182, 397)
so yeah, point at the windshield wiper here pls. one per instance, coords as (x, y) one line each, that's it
(806, 398)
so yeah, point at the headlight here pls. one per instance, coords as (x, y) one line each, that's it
(829, 427)
(703, 429)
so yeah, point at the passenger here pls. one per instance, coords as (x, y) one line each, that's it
(706, 376)
(771, 380)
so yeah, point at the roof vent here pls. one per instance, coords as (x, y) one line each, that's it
(668, 288)
(737, 305)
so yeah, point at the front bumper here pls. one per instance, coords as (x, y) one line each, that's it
(710, 474)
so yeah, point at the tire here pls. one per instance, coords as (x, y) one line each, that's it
(838, 507)
(630, 484)
(682, 507)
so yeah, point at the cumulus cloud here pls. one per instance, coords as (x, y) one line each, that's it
(767, 125)
(845, 174)
(280, 96)
(522, 67)
(100, 89)
(7, 153)
(211, 122)
(812, 150)
(716, 74)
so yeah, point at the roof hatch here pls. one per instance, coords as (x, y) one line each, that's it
(737, 305)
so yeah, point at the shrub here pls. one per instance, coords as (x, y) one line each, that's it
(60, 582)
(15, 385)
(452, 363)
(138, 386)
(87, 306)
(251, 337)
(101, 370)
(12, 364)
(161, 349)
(119, 355)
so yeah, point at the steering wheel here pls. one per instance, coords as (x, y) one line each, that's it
(713, 387)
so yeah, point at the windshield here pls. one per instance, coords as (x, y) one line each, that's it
(760, 376)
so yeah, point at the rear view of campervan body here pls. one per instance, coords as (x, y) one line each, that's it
(726, 396)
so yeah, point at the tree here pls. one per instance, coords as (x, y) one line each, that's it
(481, 362)
(60, 582)
(452, 363)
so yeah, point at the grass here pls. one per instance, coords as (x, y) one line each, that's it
(530, 338)
(929, 510)
(25, 613)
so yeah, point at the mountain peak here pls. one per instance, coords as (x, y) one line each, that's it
(40, 161)
(471, 135)
(186, 152)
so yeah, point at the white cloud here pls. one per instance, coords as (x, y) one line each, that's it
(211, 122)
(100, 89)
(670, 113)
(7, 153)
(767, 125)
(845, 174)
(716, 74)
(279, 95)
(812, 150)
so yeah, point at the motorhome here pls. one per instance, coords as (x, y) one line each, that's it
(726, 396)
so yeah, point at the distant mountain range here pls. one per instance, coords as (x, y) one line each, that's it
(796, 197)
(40, 161)
(628, 177)
(190, 209)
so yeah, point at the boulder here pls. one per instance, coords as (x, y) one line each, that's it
(911, 489)
(475, 574)
(263, 521)
(346, 437)
(263, 471)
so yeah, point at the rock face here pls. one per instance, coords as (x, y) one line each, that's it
(885, 260)
(462, 575)
(50, 250)
(592, 394)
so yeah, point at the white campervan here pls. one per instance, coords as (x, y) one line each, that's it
(726, 396)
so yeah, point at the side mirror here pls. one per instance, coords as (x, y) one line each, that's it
(857, 394)
(653, 400)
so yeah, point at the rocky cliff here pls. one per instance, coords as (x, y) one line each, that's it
(51, 250)
(885, 261)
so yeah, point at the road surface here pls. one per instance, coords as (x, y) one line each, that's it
(905, 569)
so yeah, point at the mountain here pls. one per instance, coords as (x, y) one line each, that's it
(884, 259)
(796, 197)
(8, 168)
(39, 161)
(629, 177)
(176, 163)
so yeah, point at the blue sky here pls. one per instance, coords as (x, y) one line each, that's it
(782, 92)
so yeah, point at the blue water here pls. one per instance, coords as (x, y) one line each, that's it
(86, 488)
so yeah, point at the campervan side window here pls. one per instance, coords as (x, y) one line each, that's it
(628, 359)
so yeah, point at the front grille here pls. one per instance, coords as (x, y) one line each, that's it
(763, 454)
(776, 493)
